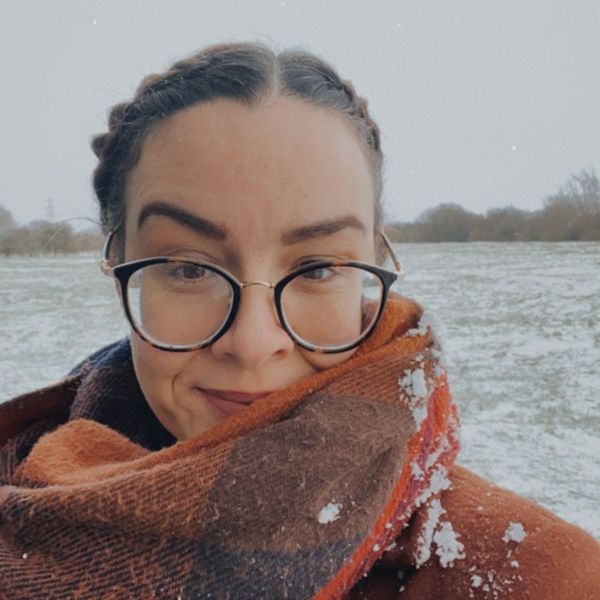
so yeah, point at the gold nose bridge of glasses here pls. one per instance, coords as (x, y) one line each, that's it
(267, 284)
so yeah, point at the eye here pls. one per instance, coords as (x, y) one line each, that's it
(319, 274)
(191, 272)
(187, 274)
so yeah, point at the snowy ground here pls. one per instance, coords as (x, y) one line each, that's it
(520, 322)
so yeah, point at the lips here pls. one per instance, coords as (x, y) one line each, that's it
(228, 402)
(241, 397)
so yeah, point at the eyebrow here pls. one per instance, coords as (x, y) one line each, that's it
(182, 217)
(321, 229)
(213, 231)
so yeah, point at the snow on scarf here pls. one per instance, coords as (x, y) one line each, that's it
(295, 497)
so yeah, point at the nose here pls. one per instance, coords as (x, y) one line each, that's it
(256, 336)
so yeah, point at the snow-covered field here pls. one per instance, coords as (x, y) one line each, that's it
(520, 322)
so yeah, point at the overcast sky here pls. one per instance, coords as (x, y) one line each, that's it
(484, 103)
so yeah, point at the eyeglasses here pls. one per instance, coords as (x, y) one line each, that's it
(179, 304)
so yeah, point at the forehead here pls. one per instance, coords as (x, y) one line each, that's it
(278, 163)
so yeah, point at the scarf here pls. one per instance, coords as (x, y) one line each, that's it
(294, 497)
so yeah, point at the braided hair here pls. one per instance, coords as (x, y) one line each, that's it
(247, 72)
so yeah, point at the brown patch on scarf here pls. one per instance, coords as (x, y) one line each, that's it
(334, 449)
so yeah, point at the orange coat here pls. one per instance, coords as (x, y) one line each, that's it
(554, 560)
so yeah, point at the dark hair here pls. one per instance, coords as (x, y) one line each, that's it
(247, 72)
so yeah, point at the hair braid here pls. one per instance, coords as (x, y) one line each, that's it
(369, 127)
(104, 146)
(362, 112)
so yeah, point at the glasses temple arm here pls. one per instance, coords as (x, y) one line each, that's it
(105, 265)
(399, 270)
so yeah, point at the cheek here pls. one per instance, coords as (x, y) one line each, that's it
(156, 370)
(320, 362)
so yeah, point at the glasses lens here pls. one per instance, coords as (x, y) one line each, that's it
(332, 306)
(179, 303)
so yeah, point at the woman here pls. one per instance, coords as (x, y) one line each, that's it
(279, 424)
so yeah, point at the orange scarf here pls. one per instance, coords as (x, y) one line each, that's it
(296, 496)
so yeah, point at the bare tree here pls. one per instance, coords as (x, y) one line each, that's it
(507, 224)
(573, 213)
(42, 237)
(6, 220)
(446, 223)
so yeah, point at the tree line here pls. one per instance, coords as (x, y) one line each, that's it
(570, 214)
(44, 237)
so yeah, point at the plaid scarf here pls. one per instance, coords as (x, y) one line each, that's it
(294, 497)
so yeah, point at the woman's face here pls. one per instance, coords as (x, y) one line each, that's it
(263, 189)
